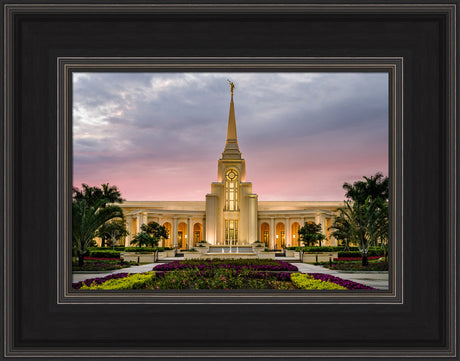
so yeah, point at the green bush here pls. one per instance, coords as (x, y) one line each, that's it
(306, 282)
(370, 253)
(147, 249)
(104, 254)
(132, 282)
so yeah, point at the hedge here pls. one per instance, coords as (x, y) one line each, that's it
(104, 254)
(376, 251)
(370, 253)
(147, 249)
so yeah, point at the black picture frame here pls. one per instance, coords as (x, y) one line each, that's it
(38, 324)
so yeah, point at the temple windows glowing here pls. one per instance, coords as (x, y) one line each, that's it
(231, 190)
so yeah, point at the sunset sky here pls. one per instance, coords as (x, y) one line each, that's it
(158, 136)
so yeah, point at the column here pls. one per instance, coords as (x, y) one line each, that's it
(189, 233)
(145, 218)
(211, 218)
(272, 233)
(203, 229)
(129, 228)
(174, 232)
(162, 242)
(252, 229)
(288, 232)
(321, 220)
(139, 222)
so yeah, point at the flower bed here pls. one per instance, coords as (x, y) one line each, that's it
(131, 282)
(351, 285)
(357, 266)
(221, 279)
(253, 264)
(98, 280)
(308, 282)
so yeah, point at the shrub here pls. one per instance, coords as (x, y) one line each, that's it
(147, 249)
(98, 280)
(132, 282)
(104, 254)
(307, 282)
(370, 253)
(140, 249)
(236, 264)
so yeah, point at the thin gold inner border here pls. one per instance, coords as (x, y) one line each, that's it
(263, 64)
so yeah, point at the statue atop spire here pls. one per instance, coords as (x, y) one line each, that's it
(232, 86)
(231, 150)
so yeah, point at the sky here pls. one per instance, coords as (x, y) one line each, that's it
(158, 136)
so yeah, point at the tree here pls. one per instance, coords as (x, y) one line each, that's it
(373, 187)
(155, 230)
(143, 238)
(364, 219)
(106, 194)
(86, 219)
(110, 194)
(151, 233)
(341, 231)
(112, 231)
(310, 233)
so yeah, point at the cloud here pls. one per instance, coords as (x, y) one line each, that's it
(135, 128)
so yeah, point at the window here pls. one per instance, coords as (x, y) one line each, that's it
(231, 190)
(266, 238)
(231, 231)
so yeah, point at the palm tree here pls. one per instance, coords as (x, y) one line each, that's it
(110, 194)
(86, 219)
(363, 224)
(373, 187)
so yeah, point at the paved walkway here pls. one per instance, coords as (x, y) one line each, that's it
(376, 280)
(78, 277)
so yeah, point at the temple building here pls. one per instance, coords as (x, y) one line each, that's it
(231, 213)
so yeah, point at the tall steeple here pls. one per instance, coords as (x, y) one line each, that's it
(231, 150)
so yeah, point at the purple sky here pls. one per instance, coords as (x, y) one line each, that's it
(158, 136)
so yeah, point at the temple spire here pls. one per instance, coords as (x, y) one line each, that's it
(231, 150)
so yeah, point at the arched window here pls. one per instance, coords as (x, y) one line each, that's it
(231, 190)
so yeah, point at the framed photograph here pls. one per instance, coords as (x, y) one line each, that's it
(129, 94)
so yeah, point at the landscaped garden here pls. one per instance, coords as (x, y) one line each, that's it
(108, 259)
(221, 275)
(355, 264)
(101, 264)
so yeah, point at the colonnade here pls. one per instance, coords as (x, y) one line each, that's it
(282, 231)
(181, 228)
